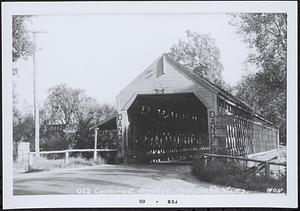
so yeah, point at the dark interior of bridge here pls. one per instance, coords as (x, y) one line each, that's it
(166, 127)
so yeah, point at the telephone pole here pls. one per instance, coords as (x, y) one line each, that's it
(35, 96)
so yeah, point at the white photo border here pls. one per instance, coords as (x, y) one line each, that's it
(204, 200)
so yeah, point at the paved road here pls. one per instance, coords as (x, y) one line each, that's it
(116, 179)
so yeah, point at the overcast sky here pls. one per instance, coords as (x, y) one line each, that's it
(103, 53)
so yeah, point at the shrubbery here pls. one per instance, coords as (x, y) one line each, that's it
(232, 173)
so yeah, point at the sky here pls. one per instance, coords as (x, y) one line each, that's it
(101, 54)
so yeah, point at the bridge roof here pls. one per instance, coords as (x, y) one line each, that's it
(110, 123)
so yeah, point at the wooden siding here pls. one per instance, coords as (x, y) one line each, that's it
(232, 125)
(242, 132)
(170, 80)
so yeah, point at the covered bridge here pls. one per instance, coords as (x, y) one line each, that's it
(168, 113)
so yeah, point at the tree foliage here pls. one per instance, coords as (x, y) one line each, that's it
(72, 107)
(66, 105)
(199, 54)
(23, 127)
(63, 105)
(265, 89)
(22, 45)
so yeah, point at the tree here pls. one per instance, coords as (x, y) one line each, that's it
(83, 137)
(22, 46)
(66, 105)
(71, 107)
(23, 129)
(200, 55)
(62, 105)
(266, 34)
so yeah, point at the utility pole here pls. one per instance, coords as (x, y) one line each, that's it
(35, 96)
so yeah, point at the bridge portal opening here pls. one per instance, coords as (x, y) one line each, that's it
(166, 127)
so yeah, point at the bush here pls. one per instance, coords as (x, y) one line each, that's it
(109, 157)
(216, 167)
(231, 173)
(54, 141)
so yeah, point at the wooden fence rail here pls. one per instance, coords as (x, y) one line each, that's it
(75, 150)
(265, 163)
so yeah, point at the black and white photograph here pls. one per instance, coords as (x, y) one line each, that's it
(149, 104)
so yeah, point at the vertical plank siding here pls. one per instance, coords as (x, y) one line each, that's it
(244, 134)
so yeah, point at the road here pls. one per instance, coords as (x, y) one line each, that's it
(116, 179)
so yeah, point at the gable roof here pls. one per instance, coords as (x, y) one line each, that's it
(202, 80)
(159, 66)
(221, 92)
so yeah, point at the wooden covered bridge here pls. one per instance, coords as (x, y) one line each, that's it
(168, 113)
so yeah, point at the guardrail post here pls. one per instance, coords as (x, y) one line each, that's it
(205, 161)
(95, 155)
(95, 145)
(267, 169)
(30, 159)
(67, 157)
(30, 162)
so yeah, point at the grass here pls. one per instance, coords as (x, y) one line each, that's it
(232, 173)
(42, 163)
(54, 161)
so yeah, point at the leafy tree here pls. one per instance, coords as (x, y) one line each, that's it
(23, 129)
(200, 55)
(266, 34)
(55, 141)
(66, 105)
(22, 45)
(62, 105)
(83, 136)
(69, 106)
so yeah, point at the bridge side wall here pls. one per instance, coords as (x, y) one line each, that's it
(241, 134)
